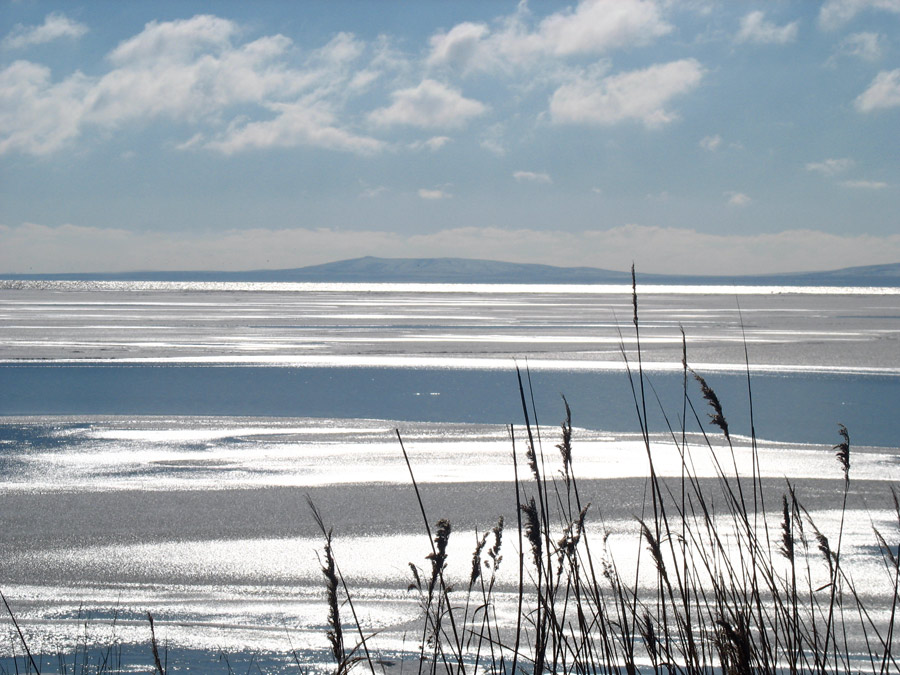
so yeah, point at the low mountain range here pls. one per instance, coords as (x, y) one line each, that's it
(464, 270)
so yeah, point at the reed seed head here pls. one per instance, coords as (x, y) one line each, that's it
(787, 536)
(717, 417)
(634, 296)
(533, 530)
(655, 549)
(494, 551)
(843, 451)
(438, 557)
(476, 560)
(565, 445)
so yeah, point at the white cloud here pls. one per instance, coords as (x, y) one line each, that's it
(342, 49)
(71, 248)
(459, 46)
(532, 177)
(864, 184)
(55, 26)
(711, 143)
(431, 104)
(831, 167)
(492, 139)
(639, 95)
(884, 92)
(835, 13)
(38, 117)
(738, 199)
(865, 46)
(599, 25)
(434, 194)
(295, 124)
(189, 69)
(592, 27)
(177, 41)
(433, 144)
(195, 141)
(191, 72)
(755, 28)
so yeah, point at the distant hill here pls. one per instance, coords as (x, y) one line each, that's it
(465, 270)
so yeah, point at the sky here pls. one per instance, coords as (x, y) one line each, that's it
(691, 136)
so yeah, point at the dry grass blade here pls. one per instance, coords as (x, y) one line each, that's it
(154, 647)
(22, 636)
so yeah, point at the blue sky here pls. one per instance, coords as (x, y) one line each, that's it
(689, 137)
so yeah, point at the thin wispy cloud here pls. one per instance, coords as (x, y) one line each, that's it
(372, 192)
(864, 184)
(755, 28)
(433, 144)
(532, 177)
(831, 167)
(434, 194)
(711, 143)
(867, 46)
(836, 13)
(738, 199)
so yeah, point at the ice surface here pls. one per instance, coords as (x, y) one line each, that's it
(201, 518)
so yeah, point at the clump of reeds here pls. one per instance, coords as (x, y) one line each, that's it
(728, 596)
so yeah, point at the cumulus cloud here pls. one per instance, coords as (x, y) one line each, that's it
(755, 28)
(37, 116)
(711, 143)
(884, 92)
(56, 25)
(592, 27)
(459, 46)
(738, 199)
(639, 95)
(835, 13)
(71, 248)
(599, 25)
(431, 104)
(191, 71)
(532, 177)
(831, 167)
(176, 41)
(434, 195)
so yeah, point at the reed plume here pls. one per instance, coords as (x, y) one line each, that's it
(717, 417)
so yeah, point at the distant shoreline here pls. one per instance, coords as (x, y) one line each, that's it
(466, 271)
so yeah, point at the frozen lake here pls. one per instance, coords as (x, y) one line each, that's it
(157, 440)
